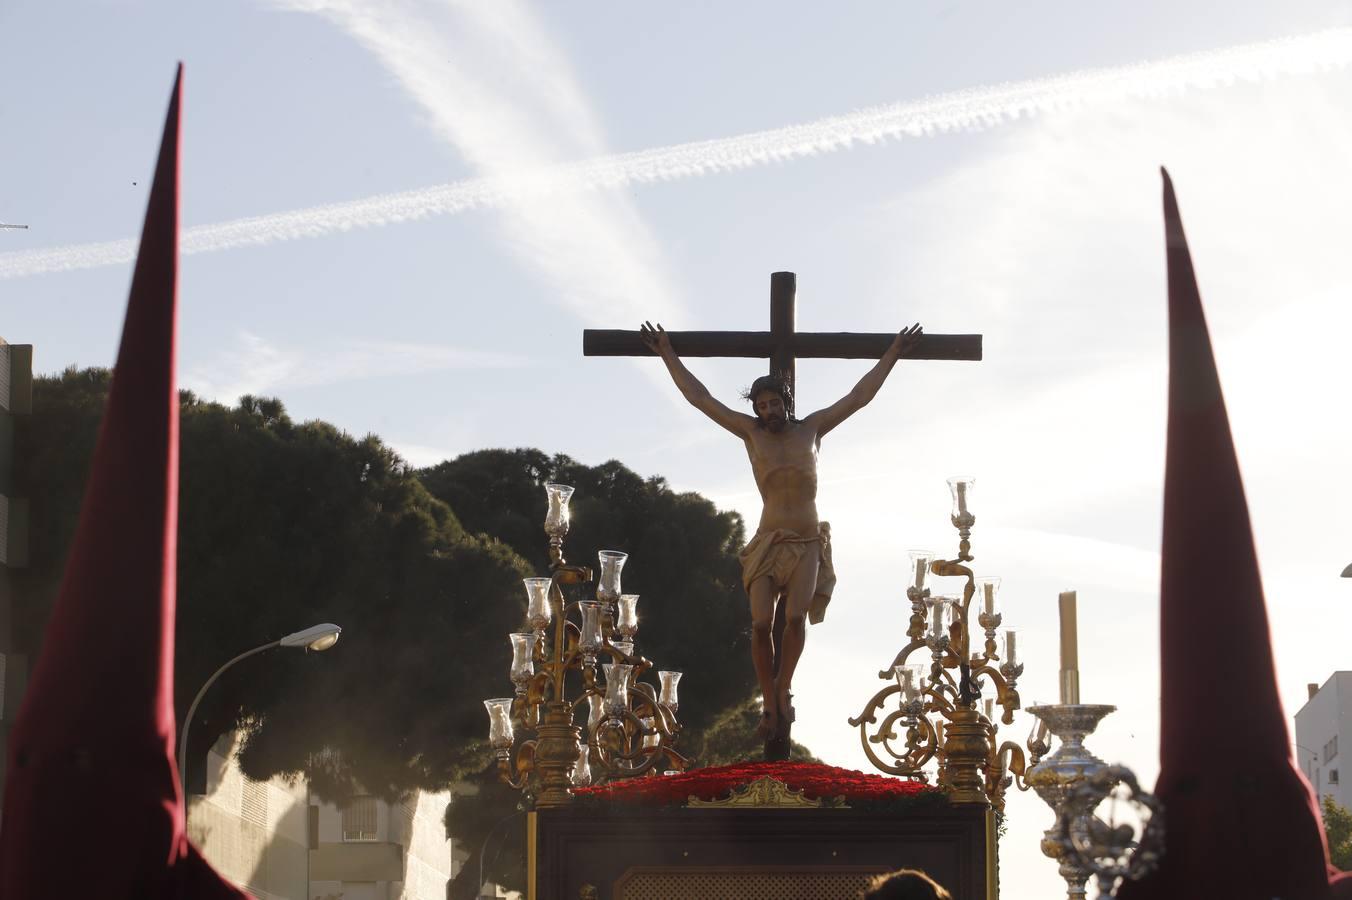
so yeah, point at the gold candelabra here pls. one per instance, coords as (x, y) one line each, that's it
(619, 727)
(944, 711)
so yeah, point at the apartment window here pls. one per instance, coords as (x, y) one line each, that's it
(359, 819)
(1331, 749)
(1333, 776)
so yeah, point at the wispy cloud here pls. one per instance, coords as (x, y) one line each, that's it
(258, 366)
(492, 85)
(519, 177)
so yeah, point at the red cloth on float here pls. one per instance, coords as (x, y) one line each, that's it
(93, 805)
(1241, 821)
(815, 780)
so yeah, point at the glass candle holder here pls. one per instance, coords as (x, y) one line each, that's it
(625, 647)
(986, 591)
(538, 610)
(920, 562)
(617, 688)
(590, 640)
(557, 518)
(910, 678)
(608, 584)
(582, 775)
(596, 712)
(940, 610)
(961, 487)
(1038, 731)
(667, 697)
(626, 623)
(523, 663)
(500, 722)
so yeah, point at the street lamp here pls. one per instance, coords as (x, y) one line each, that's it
(316, 637)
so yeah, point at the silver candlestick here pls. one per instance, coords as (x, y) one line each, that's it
(1073, 782)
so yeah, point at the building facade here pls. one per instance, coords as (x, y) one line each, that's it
(1324, 738)
(278, 842)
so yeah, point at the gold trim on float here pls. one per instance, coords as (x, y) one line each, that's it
(766, 792)
(992, 872)
(532, 849)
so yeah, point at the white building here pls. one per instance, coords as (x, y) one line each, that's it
(1323, 725)
(277, 842)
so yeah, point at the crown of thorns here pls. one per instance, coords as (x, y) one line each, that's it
(773, 383)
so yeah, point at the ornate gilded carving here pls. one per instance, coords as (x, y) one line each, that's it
(767, 792)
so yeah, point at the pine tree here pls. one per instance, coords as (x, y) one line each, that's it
(1338, 827)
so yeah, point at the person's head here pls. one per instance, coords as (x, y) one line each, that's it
(905, 884)
(770, 401)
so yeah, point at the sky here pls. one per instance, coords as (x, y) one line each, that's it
(401, 215)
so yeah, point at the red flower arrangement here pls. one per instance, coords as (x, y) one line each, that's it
(815, 780)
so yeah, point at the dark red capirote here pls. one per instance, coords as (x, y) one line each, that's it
(1241, 820)
(92, 798)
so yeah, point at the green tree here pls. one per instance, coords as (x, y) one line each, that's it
(283, 525)
(693, 615)
(1338, 828)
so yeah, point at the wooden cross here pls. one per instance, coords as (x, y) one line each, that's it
(782, 345)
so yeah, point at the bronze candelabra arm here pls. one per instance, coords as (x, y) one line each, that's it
(563, 574)
(516, 774)
(951, 568)
(1010, 758)
(642, 665)
(1006, 696)
(900, 659)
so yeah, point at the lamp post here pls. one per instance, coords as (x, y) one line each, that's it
(316, 637)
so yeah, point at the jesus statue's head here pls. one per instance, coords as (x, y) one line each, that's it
(770, 400)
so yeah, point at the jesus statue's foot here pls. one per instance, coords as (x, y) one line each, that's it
(787, 715)
(769, 725)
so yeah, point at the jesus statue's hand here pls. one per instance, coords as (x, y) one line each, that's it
(907, 340)
(655, 338)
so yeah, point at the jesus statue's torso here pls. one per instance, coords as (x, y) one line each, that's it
(785, 466)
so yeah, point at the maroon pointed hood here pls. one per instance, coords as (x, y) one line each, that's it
(1241, 821)
(92, 799)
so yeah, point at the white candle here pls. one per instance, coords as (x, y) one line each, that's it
(937, 624)
(989, 590)
(1070, 651)
(962, 496)
(1009, 648)
(919, 574)
(990, 710)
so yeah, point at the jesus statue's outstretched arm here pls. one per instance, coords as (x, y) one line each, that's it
(691, 387)
(823, 420)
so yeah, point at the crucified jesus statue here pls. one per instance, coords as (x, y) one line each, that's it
(789, 559)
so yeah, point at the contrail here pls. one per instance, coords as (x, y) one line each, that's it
(964, 110)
